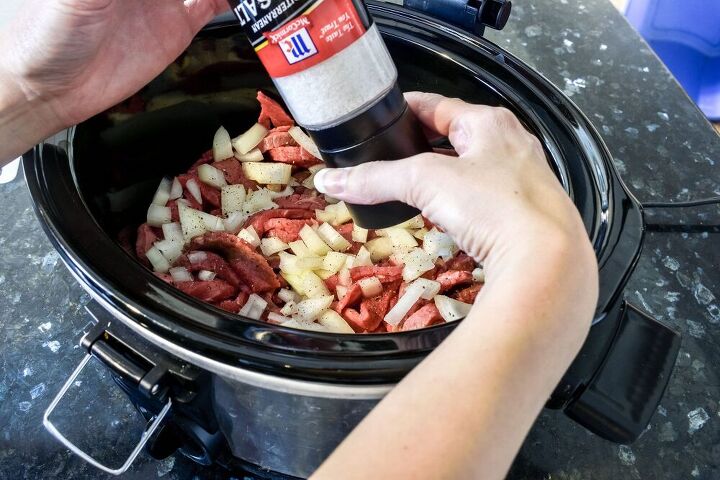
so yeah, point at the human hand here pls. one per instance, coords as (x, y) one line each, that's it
(83, 56)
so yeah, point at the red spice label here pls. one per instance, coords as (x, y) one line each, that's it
(318, 33)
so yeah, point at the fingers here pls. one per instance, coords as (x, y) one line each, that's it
(368, 183)
(200, 12)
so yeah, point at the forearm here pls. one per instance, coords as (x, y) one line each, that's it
(464, 412)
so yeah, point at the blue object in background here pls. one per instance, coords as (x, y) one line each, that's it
(685, 34)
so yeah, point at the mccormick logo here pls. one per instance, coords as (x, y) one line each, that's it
(297, 46)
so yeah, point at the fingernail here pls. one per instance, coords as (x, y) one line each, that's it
(331, 180)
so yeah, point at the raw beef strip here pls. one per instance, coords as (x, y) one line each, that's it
(424, 317)
(145, 239)
(210, 291)
(213, 263)
(258, 220)
(297, 156)
(234, 174)
(453, 278)
(467, 295)
(271, 113)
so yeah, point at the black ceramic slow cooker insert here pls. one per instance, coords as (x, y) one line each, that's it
(246, 391)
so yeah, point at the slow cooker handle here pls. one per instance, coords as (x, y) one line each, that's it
(620, 399)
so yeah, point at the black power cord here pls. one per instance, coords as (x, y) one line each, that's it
(681, 227)
(690, 203)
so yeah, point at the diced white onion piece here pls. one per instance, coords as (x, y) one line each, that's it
(404, 304)
(304, 141)
(439, 244)
(309, 263)
(250, 139)
(380, 248)
(334, 322)
(310, 309)
(420, 234)
(193, 223)
(271, 245)
(430, 287)
(313, 286)
(232, 198)
(157, 260)
(254, 307)
(359, 234)
(363, 258)
(341, 291)
(234, 221)
(287, 295)
(401, 238)
(206, 275)
(333, 238)
(278, 319)
(194, 190)
(259, 200)
(211, 176)
(416, 263)
(176, 189)
(311, 326)
(162, 194)
(325, 216)
(313, 241)
(250, 236)
(478, 275)
(222, 145)
(334, 261)
(299, 248)
(289, 308)
(183, 201)
(288, 264)
(451, 309)
(331, 200)
(171, 250)
(180, 274)
(173, 232)
(370, 286)
(267, 172)
(286, 192)
(197, 257)
(315, 168)
(412, 224)
(324, 274)
(294, 280)
(157, 215)
(212, 223)
(254, 155)
(344, 277)
(340, 213)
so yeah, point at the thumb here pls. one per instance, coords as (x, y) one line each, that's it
(378, 182)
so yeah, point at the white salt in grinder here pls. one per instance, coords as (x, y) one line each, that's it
(335, 74)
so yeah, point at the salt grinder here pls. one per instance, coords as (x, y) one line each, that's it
(335, 74)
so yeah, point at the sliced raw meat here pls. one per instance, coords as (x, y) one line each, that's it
(346, 231)
(467, 295)
(206, 192)
(363, 321)
(271, 113)
(353, 295)
(453, 278)
(297, 156)
(461, 261)
(285, 229)
(424, 317)
(213, 263)
(276, 139)
(332, 282)
(259, 219)
(306, 202)
(210, 291)
(234, 175)
(145, 238)
(174, 213)
(252, 267)
(380, 304)
(384, 274)
(229, 306)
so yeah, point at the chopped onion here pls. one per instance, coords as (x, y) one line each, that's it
(416, 263)
(176, 189)
(313, 241)
(194, 190)
(341, 291)
(157, 260)
(157, 215)
(287, 295)
(289, 308)
(278, 319)
(295, 281)
(451, 309)
(234, 222)
(334, 322)
(271, 246)
(309, 263)
(331, 200)
(313, 286)
(325, 216)
(250, 139)
(162, 194)
(299, 248)
(222, 145)
(232, 198)
(310, 309)
(359, 234)
(180, 274)
(324, 274)
(370, 286)
(266, 172)
(478, 275)
(312, 326)
(304, 141)
(206, 275)
(259, 200)
(334, 261)
(412, 224)
(401, 238)
(404, 304)
(288, 264)
(193, 223)
(337, 214)
(197, 257)
(331, 236)
(439, 244)
(363, 258)
(344, 277)
(250, 236)
(254, 307)
(430, 287)
(286, 192)
(380, 248)
(420, 234)
(212, 223)
(211, 176)
(171, 250)
(173, 232)
(254, 155)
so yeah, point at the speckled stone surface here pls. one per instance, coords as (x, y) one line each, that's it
(663, 149)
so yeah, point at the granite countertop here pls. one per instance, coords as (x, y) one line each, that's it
(663, 149)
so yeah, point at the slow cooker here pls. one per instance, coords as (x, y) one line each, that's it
(222, 388)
